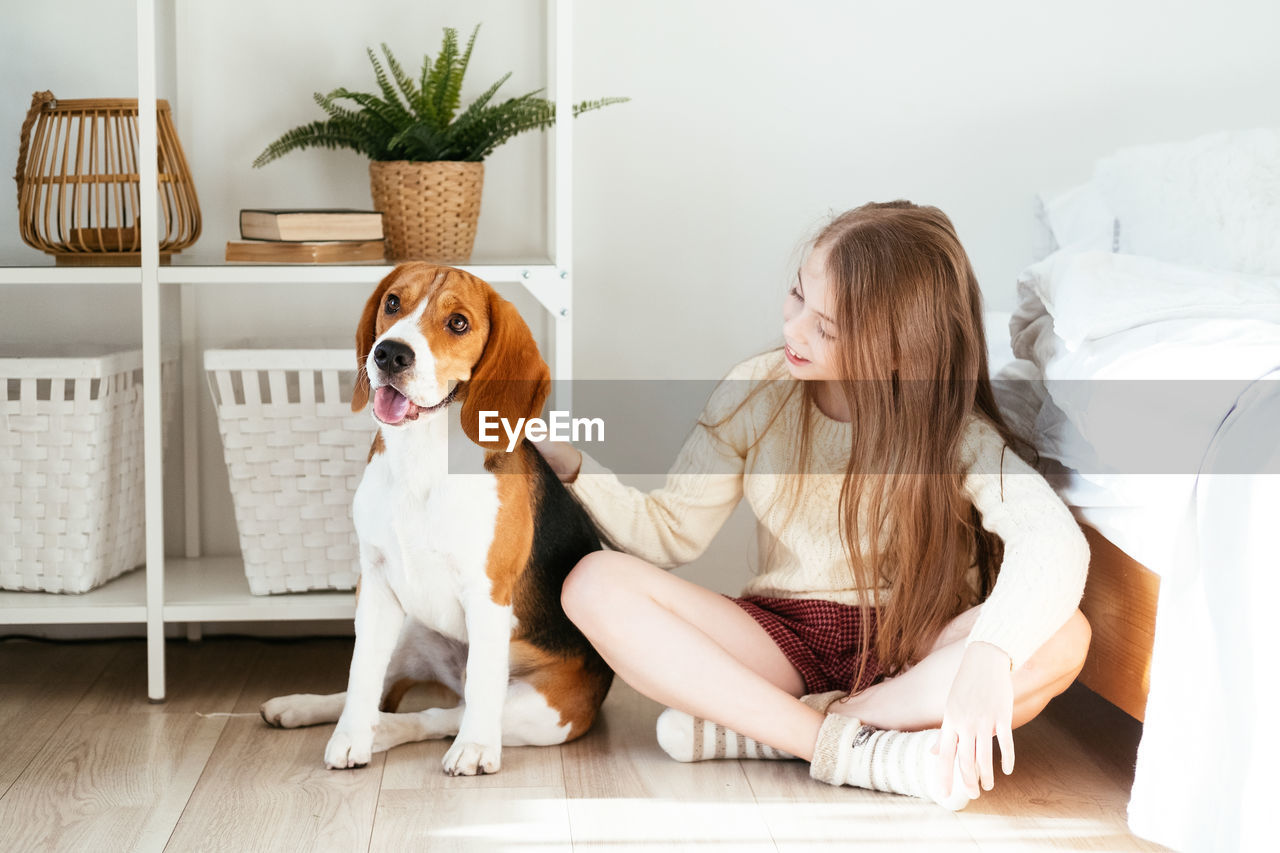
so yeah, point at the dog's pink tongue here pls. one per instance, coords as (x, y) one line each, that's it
(390, 405)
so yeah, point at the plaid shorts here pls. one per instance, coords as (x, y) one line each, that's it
(820, 638)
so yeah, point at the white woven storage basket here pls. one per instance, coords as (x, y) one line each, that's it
(295, 452)
(72, 515)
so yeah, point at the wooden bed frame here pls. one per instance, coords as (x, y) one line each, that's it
(1120, 604)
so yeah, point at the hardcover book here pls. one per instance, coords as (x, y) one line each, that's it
(310, 225)
(312, 252)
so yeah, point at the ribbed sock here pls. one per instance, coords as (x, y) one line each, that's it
(688, 738)
(849, 753)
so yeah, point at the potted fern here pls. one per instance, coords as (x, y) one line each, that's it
(426, 166)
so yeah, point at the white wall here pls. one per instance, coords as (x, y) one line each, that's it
(753, 119)
(750, 121)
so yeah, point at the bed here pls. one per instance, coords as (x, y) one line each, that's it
(1120, 604)
(1121, 593)
(1144, 365)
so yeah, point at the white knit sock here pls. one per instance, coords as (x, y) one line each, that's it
(849, 753)
(688, 738)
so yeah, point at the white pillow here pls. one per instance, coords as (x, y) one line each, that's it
(1078, 219)
(1213, 201)
(1090, 295)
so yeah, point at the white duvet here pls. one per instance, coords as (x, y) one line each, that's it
(1141, 361)
(1161, 390)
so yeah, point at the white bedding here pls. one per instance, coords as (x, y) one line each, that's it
(1142, 529)
(1188, 484)
(1205, 775)
(1210, 202)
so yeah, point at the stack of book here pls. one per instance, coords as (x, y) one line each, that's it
(308, 236)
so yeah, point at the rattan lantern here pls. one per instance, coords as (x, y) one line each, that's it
(78, 183)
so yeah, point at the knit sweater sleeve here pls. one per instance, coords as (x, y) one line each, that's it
(1046, 556)
(674, 524)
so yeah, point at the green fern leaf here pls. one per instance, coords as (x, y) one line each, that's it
(318, 134)
(375, 107)
(453, 89)
(368, 129)
(446, 63)
(404, 81)
(420, 121)
(588, 106)
(423, 105)
(478, 109)
(392, 108)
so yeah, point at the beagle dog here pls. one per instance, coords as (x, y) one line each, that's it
(460, 572)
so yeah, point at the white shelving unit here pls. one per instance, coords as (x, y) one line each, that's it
(197, 589)
(70, 275)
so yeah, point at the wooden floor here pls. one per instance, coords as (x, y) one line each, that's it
(86, 763)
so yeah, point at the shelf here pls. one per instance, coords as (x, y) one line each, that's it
(123, 599)
(335, 273)
(214, 589)
(259, 273)
(209, 589)
(69, 275)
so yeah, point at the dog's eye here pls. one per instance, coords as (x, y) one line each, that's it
(458, 324)
(393, 304)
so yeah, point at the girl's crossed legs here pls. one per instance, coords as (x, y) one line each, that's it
(695, 650)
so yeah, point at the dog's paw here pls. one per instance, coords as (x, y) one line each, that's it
(472, 759)
(347, 749)
(300, 709)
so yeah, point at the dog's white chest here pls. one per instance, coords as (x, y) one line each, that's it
(432, 548)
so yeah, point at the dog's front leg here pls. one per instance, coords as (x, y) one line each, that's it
(379, 618)
(478, 746)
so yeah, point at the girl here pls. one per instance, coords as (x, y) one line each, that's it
(910, 562)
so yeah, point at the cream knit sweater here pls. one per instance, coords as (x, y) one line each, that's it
(1045, 553)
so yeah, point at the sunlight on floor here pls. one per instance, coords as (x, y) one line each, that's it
(874, 822)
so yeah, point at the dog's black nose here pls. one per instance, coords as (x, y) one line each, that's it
(393, 356)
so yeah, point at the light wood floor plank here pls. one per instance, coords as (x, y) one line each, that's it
(40, 684)
(624, 790)
(1057, 798)
(315, 666)
(108, 782)
(87, 763)
(1107, 734)
(28, 662)
(806, 815)
(268, 789)
(445, 820)
(204, 677)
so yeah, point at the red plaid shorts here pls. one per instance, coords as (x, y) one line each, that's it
(820, 638)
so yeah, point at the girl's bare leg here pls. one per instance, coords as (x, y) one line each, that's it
(691, 649)
(916, 698)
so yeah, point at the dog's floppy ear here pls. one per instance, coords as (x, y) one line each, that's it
(510, 378)
(365, 334)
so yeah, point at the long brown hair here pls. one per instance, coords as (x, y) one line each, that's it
(913, 357)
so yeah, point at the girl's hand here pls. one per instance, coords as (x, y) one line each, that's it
(979, 707)
(565, 459)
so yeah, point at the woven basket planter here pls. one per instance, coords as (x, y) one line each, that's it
(71, 469)
(295, 453)
(429, 210)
